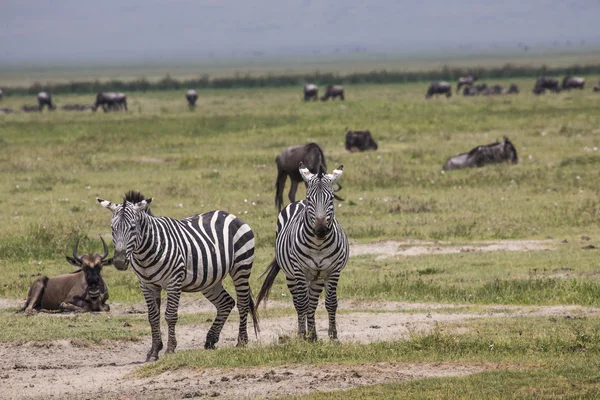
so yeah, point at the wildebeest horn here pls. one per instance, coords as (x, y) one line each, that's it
(103, 256)
(338, 189)
(75, 253)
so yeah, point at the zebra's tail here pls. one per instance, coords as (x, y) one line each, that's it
(254, 313)
(271, 273)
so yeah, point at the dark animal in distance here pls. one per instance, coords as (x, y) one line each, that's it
(470, 91)
(494, 153)
(360, 141)
(191, 96)
(513, 89)
(333, 92)
(110, 101)
(76, 107)
(30, 108)
(544, 83)
(573, 82)
(1, 94)
(597, 87)
(6, 110)
(45, 99)
(287, 165)
(465, 81)
(83, 290)
(311, 92)
(440, 87)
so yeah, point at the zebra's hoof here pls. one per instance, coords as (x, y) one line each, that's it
(151, 358)
(209, 346)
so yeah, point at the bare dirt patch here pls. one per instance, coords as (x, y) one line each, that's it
(418, 247)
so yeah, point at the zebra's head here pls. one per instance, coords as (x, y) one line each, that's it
(125, 225)
(319, 199)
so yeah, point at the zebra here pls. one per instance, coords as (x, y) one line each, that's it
(193, 254)
(312, 249)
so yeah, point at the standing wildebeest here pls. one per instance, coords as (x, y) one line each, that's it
(544, 83)
(494, 153)
(110, 101)
(45, 99)
(287, 164)
(191, 97)
(466, 81)
(333, 92)
(360, 141)
(82, 290)
(311, 91)
(440, 87)
(573, 82)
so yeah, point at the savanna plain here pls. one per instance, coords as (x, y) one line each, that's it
(479, 283)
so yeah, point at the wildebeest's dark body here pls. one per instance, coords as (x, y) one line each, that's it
(513, 89)
(191, 96)
(45, 99)
(332, 92)
(440, 87)
(311, 92)
(494, 153)
(597, 87)
(360, 141)
(1, 94)
(465, 81)
(287, 165)
(544, 83)
(76, 107)
(110, 101)
(30, 108)
(6, 110)
(573, 82)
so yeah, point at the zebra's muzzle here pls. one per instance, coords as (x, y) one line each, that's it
(120, 261)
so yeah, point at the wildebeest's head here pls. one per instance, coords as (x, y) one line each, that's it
(91, 265)
(125, 225)
(319, 199)
(510, 151)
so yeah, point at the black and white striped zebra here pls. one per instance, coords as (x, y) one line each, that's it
(193, 254)
(312, 249)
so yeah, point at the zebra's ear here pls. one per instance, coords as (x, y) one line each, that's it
(143, 205)
(336, 173)
(304, 172)
(107, 204)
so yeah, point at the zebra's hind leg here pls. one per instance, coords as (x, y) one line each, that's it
(173, 295)
(224, 304)
(331, 304)
(299, 293)
(152, 296)
(244, 301)
(314, 291)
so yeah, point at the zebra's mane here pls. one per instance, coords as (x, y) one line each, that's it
(133, 196)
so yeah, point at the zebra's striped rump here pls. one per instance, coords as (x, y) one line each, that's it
(193, 254)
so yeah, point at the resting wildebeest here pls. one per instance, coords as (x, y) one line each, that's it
(110, 101)
(83, 290)
(75, 107)
(470, 91)
(573, 82)
(332, 92)
(45, 99)
(465, 80)
(1, 94)
(544, 83)
(287, 164)
(191, 96)
(311, 92)
(440, 87)
(513, 89)
(494, 153)
(6, 110)
(360, 141)
(597, 87)
(30, 108)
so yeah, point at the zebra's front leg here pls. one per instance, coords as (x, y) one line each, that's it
(331, 304)
(299, 291)
(173, 295)
(314, 291)
(152, 296)
(240, 278)
(224, 303)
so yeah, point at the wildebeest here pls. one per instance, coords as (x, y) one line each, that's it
(76, 107)
(45, 99)
(440, 87)
(191, 96)
(470, 91)
(466, 80)
(573, 82)
(513, 89)
(30, 108)
(597, 87)
(110, 101)
(1, 94)
(544, 83)
(493, 90)
(493, 153)
(360, 141)
(287, 165)
(333, 92)
(83, 290)
(6, 110)
(311, 92)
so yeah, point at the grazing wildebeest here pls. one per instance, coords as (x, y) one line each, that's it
(30, 108)
(311, 92)
(333, 92)
(75, 107)
(110, 101)
(83, 290)
(287, 164)
(494, 153)
(191, 96)
(45, 99)
(440, 87)
(513, 89)
(544, 83)
(573, 82)
(360, 141)
(465, 80)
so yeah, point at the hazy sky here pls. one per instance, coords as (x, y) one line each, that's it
(109, 29)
